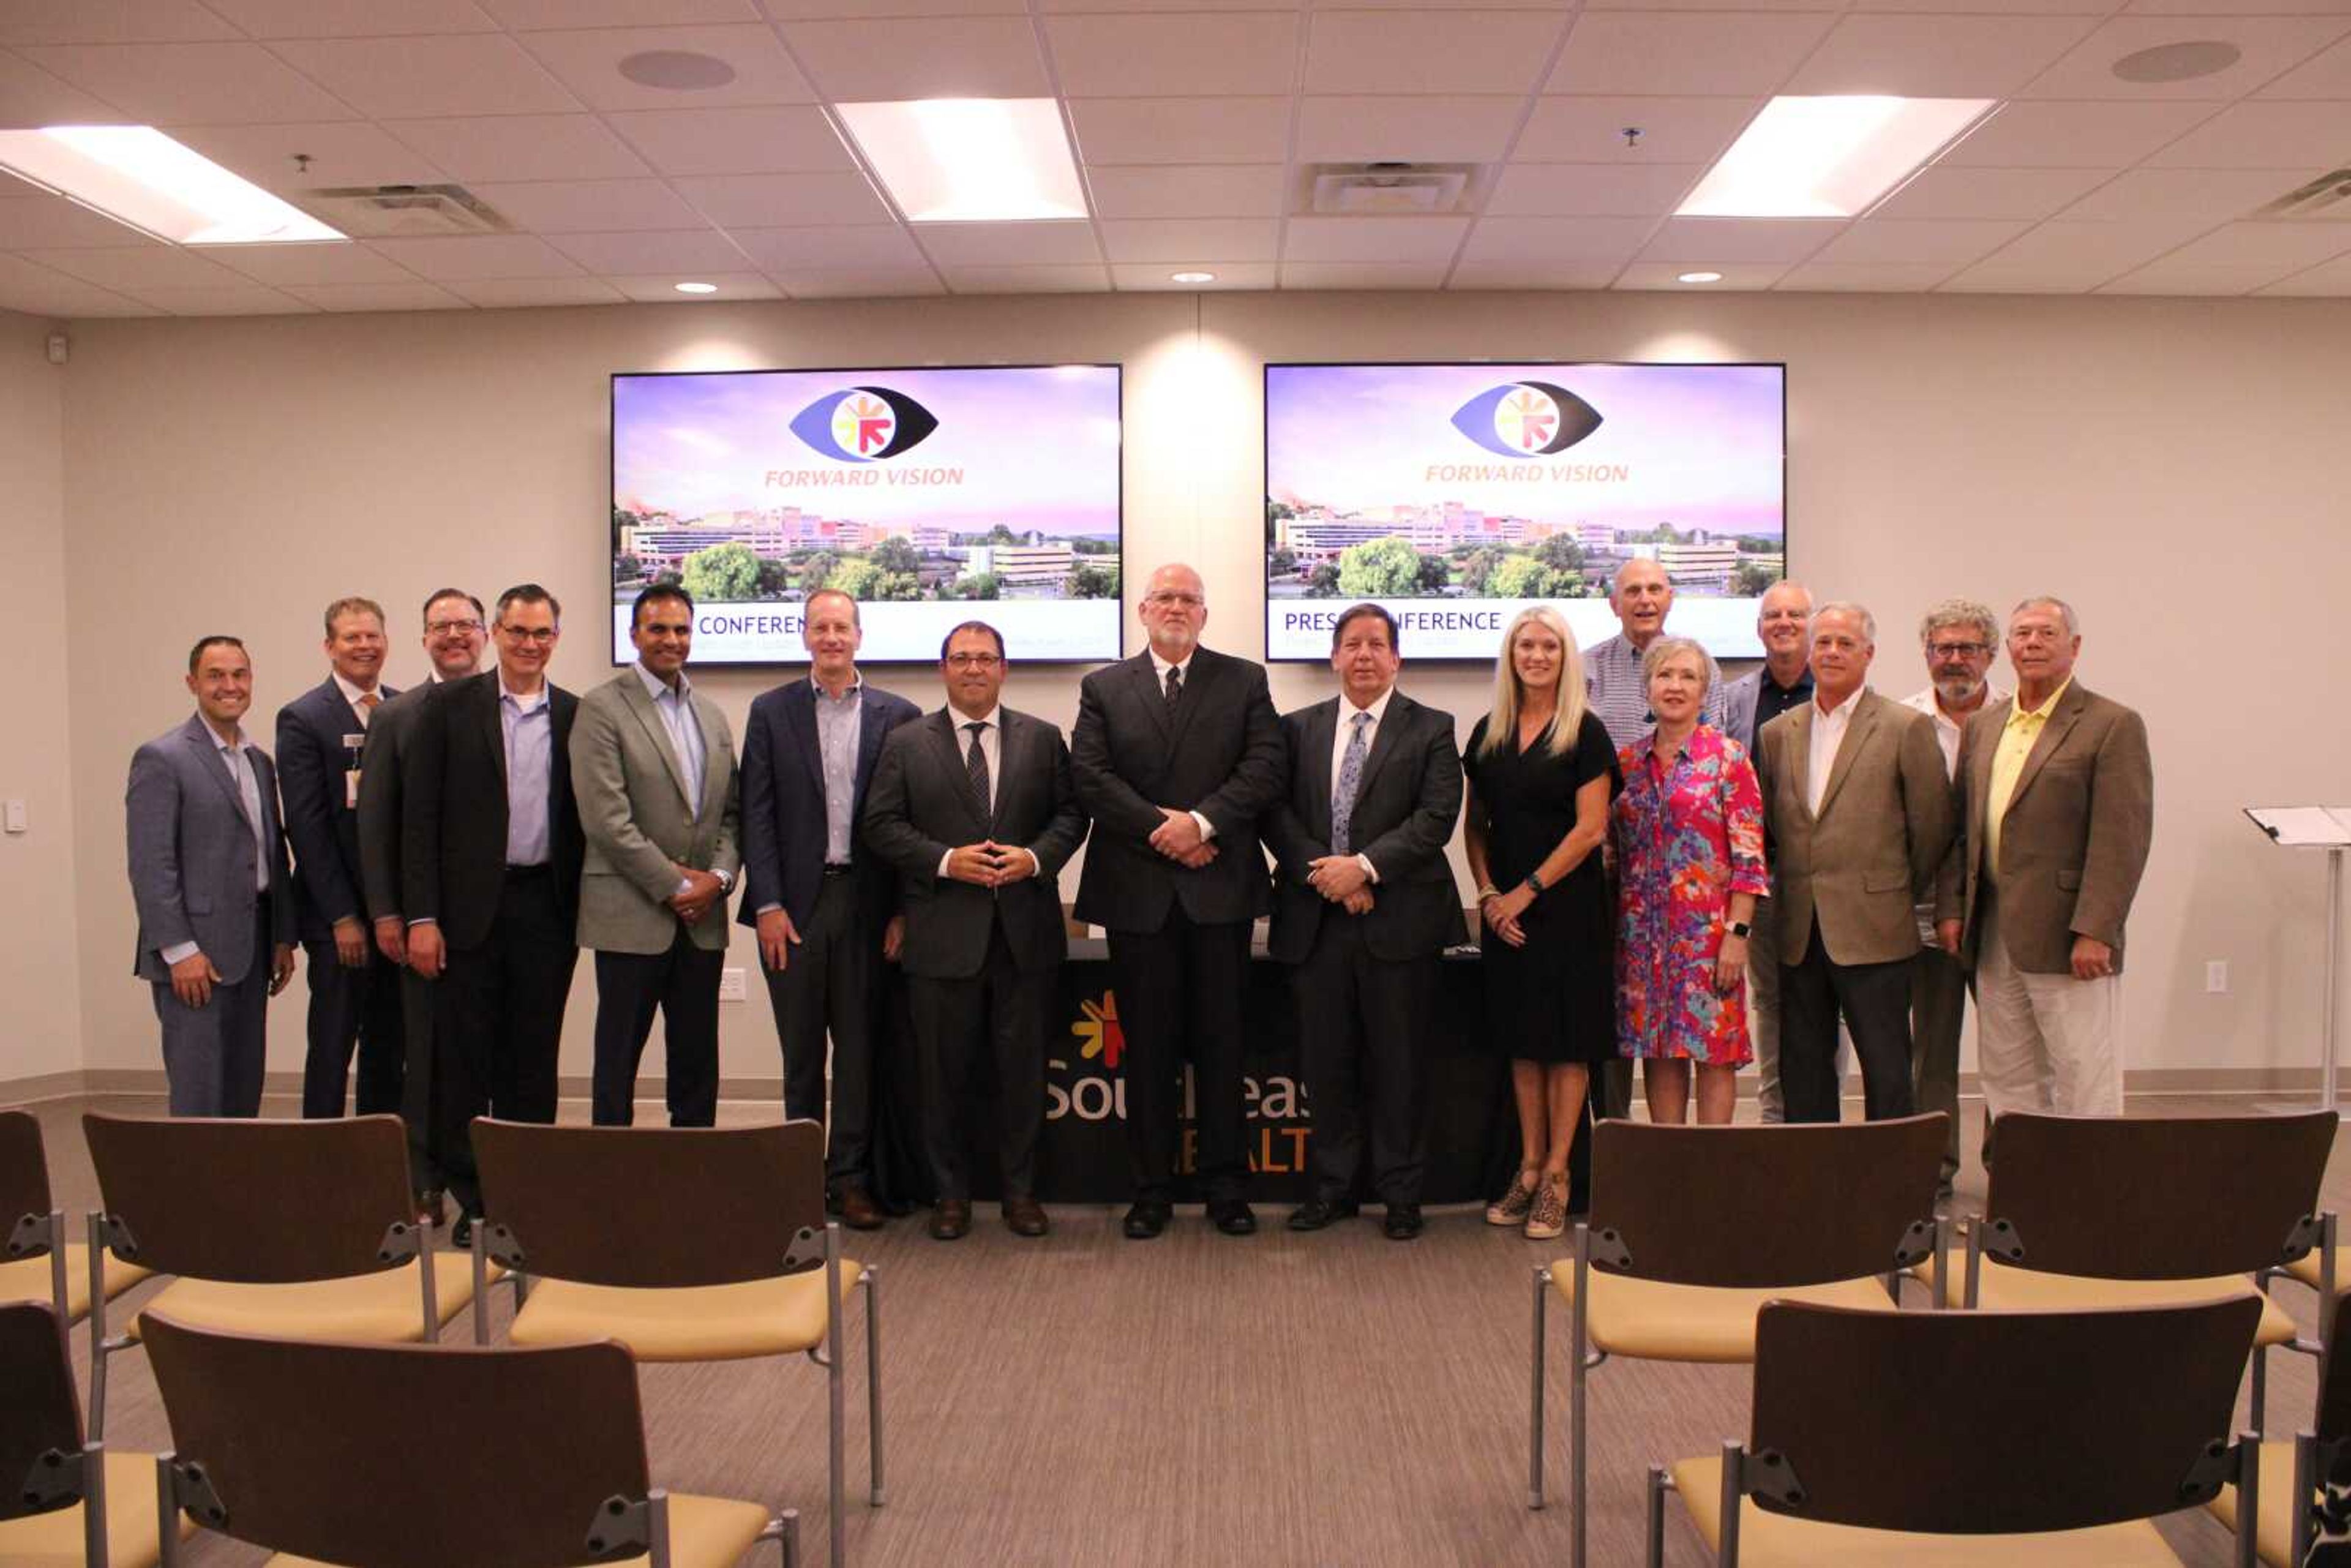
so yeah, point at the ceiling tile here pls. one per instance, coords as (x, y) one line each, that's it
(521, 147)
(1783, 241)
(2270, 45)
(1192, 239)
(1591, 190)
(40, 290)
(117, 22)
(352, 19)
(464, 257)
(1736, 276)
(508, 292)
(2264, 135)
(1945, 192)
(136, 270)
(2325, 74)
(660, 288)
(694, 251)
(1188, 190)
(2067, 258)
(2237, 8)
(796, 10)
(415, 78)
(181, 84)
(1863, 277)
(1408, 130)
(735, 141)
(1380, 240)
(1029, 279)
(1951, 242)
(2277, 244)
(1428, 51)
(1673, 130)
(309, 264)
(2214, 196)
(1230, 277)
(31, 96)
(534, 16)
(2331, 279)
(2165, 278)
(1137, 55)
(1010, 244)
(35, 221)
(859, 285)
(882, 247)
(1642, 52)
(784, 201)
(588, 206)
(1542, 242)
(1181, 129)
(1997, 8)
(245, 299)
(341, 153)
(1938, 56)
(589, 63)
(1361, 274)
(1534, 275)
(2107, 136)
(907, 57)
(355, 297)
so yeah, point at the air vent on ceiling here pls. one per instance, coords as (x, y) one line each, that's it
(2311, 200)
(402, 211)
(1389, 190)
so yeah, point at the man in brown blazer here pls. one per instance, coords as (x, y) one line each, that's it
(2056, 794)
(1859, 814)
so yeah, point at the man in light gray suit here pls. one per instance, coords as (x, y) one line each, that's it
(214, 894)
(653, 767)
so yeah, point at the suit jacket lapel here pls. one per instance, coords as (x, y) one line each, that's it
(1199, 673)
(799, 718)
(641, 703)
(1857, 735)
(715, 777)
(947, 737)
(1799, 746)
(1321, 733)
(1154, 697)
(869, 738)
(1384, 741)
(493, 722)
(2052, 734)
(1979, 777)
(208, 756)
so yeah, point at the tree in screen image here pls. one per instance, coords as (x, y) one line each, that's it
(1089, 580)
(895, 554)
(723, 574)
(817, 572)
(1522, 577)
(980, 585)
(854, 577)
(1379, 568)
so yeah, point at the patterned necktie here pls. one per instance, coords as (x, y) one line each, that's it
(1174, 683)
(976, 762)
(368, 701)
(1351, 778)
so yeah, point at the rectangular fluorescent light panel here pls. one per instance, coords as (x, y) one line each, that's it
(136, 174)
(1828, 157)
(971, 159)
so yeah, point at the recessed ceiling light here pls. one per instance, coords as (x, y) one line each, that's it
(1699, 278)
(2182, 61)
(676, 70)
(1191, 278)
(137, 175)
(971, 159)
(1828, 157)
(697, 287)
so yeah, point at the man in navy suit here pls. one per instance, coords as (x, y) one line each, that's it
(354, 989)
(822, 903)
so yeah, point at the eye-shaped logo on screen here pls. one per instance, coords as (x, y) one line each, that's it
(1526, 419)
(864, 424)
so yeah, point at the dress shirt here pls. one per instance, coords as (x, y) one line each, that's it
(840, 723)
(2016, 739)
(1347, 712)
(991, 748)
(1772, 699)
(1947, 728)
(1829, 725)
(236, 755)
(676, 706)
(1160, 667)
(528, 724)
(362, 711)
(1620, 695)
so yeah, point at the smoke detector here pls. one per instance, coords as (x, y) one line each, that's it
(1388, 189)
(401, 212)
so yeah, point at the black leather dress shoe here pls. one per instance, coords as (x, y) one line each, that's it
(461, 1235)
(1318, 1212)
(951, 1220)
(1403, 1222)
(1232, 1217)
(1147, 1219)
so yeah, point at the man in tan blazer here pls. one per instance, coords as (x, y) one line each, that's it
(1859, 814)
(652, 764)
(2056, 794)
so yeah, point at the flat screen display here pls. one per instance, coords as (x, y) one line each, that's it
(933, 497)
(1457, 495)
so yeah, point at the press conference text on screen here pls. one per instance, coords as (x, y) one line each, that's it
(1303, 619)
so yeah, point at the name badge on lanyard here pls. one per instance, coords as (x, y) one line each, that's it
(352, 744)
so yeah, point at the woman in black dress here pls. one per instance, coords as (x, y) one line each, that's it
(1541, 773)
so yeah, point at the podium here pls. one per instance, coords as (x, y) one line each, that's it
(2325, 827)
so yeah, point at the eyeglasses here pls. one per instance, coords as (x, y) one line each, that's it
(528, 634)
(443, 628)
(973, 661)
(1957, 650)
(1182, 601)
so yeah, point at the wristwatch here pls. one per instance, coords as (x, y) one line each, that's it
(1738, 927)
(1534, 882)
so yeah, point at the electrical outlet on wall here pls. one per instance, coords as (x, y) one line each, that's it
(730, 985)
(2216, 977)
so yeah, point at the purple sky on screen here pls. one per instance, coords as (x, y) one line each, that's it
(1701, 445)
(1038, 447)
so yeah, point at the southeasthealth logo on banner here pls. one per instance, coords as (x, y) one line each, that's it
(863, 424)
(1526, 419)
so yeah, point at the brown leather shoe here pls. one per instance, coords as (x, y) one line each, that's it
(951, 1220)
(859, 1211)
(1024, 1216)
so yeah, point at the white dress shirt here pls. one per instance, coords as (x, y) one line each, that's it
(991, 748)
(1339, 738)
(1160, 667)
(1947, 728)
(353, 693)
(1829, 725)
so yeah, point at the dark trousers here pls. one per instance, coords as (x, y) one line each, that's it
(1179, 994)
(1361, 1020)
(684, 984)
(828, 988)
(1939, 989)
(213, 1055)
(499, 1024)
(999, 1013)
(1875, 999)
(350, 1006)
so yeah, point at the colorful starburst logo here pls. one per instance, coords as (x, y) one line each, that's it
(1526, 419)
(863, 424)
(1099, 1030)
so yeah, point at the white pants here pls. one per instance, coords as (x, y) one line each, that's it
(2045, 1042)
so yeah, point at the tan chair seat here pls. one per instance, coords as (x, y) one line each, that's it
(54, 1540)
(369, 1309)
(1655, 1321)
(2305, 1268)
(1775, 1540)
(704, 1532)
(27, 1279)
(2275, 1539)
(700, 1323)
(2010, 1289)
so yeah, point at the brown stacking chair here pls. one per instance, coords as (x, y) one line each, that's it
(1693, 1228)
(307, 1447)
(294, 1229)
(2289, 1472)
(36, 1262)
(63, 1501)
(2046, 1441)
(683, 1244)
(2111, 1211)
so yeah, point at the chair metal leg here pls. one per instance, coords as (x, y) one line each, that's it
(480, 1263)
(93, 1503)
(657, 1527)
(1535, 1398)
(1578, 1342)
(1937, 1293)
(428, 1287)
(97, 1332)
(2260, 1388)
(871, 1283)
(57, 1291)
(2305, 1482)
(788, 1536)
(1658, 1484)
(1975, 1264)
(1734, 1494)
(167, 1513)
(2249, 1500)
(834, 1390)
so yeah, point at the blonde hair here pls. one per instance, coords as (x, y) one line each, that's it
(1502, 722)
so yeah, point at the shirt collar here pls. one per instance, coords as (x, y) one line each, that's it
(1161, 666)
(1842, 709)
(1803, 683)
(2048, 707)
(352, 694)
(1378, 710)
(224, 746)
(993, 718)
(525, 705)
(657, 689)
(856, 689)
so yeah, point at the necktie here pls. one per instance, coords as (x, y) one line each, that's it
(1174, 683)
(975, 761)
(1351, 778)
(368, 702)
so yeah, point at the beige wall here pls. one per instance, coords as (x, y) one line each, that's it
(2169, 466)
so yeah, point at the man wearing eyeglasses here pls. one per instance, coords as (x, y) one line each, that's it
(1958, 637)
(975, 808)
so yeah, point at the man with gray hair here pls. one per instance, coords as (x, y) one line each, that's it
(1958, 638)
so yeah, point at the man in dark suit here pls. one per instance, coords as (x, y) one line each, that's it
(354, 990)
(1365, 905)
(454, 635)
(490, 856)
(1177, 754)
(822, 909)
(974, 807)
(215, 902)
